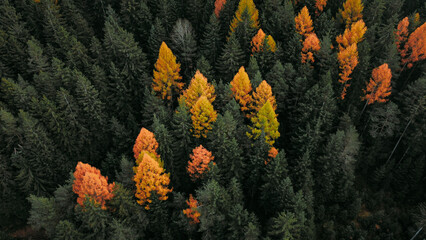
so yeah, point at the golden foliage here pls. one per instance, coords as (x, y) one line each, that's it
(348, 59)
(257, 41)
(245, 5)
(353, 35)
(145, 142)
(150, 177)
(199, 163)
(203, 115)
(310, 45)
(265, 120)
(166, 73)
(197, 88)
(352, 11)
(192, 212)
(379, 86)
(241, 88)
(304, 22)
(90, 183)
(262, 94)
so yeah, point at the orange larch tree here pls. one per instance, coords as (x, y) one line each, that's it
(262, 94)
(348, 59)
(379, 86)
(145, 142)
(352, 11)
(310, 45)
(415, 46)
(199, 163)
(150, 177)
(90, 183)
(241, 89)
(248, 7)
(304, 22)
(320, 4)
(261, 39)
(218, 5)
(197, 88)
(166, 74)
(191, 212)
(203, 115)
(352, 35)
(402, 36)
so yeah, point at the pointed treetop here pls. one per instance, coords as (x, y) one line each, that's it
(353, 35)
(200, 159)
(263, 94)
(266, 121)
(311, 44)
(416, 45)
(320, 4)
(203, 115)
(402, 36)
(166, 73)
(379, 86)
(218, 6)
(198, 87)
(241, 88)
(250, 8)
(304, 22)
(192, 212)
(145, 142)
(352, 11)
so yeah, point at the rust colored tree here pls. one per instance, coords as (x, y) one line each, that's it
(90, 183)
(304, 22)
(145, 142)
(166, 74)
(261, 39)
(319, 5)
(197, 88)
(191, 212)
(199, 163)
(379, 86)
(203, 115)
(241, 89)
(150, 177)
(415, 47)
(218, 6)
(262, 94)
(402, 36)
(310, 46)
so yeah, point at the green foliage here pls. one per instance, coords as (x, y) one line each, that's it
(231, 59)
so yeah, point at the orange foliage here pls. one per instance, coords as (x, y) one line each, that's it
(192, 212)
(304, 22)
(263, 94)
(200, 159)
(241, 88)
(348, 59)
(416, 46)
(352, 11)
(218, 5)
(353, 35)
(197, 88)
(145, 142)
(257, 41)
(320, 4)
(273, 152)
(310, 45)
(150, 177)
(379, 86)
(401, 36)
(89, 182)
(166, 73)
(245, 5)
(203, 115)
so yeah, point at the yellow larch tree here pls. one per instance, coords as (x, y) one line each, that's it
(261, 39)
(241, 89)
(203, 115)
(198, 87)
(249, 7)
(150, 177)
(266, 120)
(352, 11)
(348, 59)
(304, 22)
(166, 79)
(354, 34)
(262, 94)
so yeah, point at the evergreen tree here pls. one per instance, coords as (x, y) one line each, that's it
(230, 60)
(211, 41)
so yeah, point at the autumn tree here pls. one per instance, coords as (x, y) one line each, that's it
(402, 36)
(191, 212)
(415, 46)
(218, 5)
(352, 35)
(145, 142)
(319, 5)
(199, 163)
(259, 40)
(241, 88)
(150, 177)
(265, 120)
(379, 86)
(245, 7)
(352, 11)
(198, 87)
(90, 183)
(304, 22)
(262, 94)
(311, 44)
(166, 74)
(203, 115)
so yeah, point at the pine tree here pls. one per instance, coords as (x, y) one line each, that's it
(278, 80)
(166, 74)
(231, 59)
(165, 148)
(211, 41)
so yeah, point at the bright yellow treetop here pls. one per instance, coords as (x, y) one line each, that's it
(166, 73)
(203, 115)
(353, 35)
(245, 5)
(304, 22)
(197, 88)
(352, 11)
(241, 88)
(150, 177)
(263, 94)
(265, 120)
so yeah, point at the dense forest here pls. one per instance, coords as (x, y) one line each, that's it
(212, 119)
